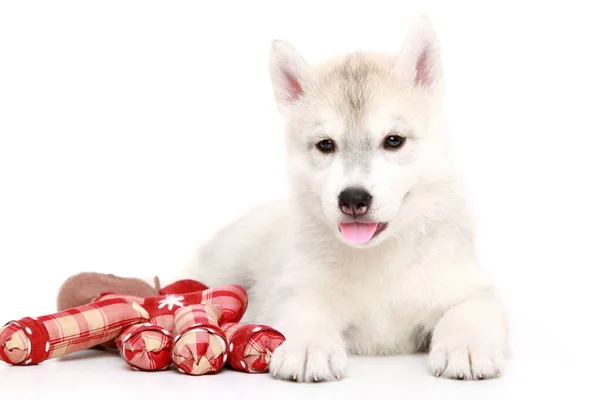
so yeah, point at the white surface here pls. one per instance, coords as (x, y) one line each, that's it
(100, 374)
(131, 131)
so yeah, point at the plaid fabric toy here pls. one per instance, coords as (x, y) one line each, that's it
(251, 346)
(145, 346)
(196, 331)
(31, 341)
(180, 287)
(232, 299)
(200, 346)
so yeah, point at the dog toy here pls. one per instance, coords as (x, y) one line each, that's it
(251, 346)
(185, 324)
(82, 288)
(31, 341)
(147, 346)
(199, 346)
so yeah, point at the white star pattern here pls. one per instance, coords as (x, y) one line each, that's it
(171, 301)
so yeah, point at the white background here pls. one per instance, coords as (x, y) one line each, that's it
(131, 131)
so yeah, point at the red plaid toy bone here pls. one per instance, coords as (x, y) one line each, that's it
(251, 346)
(203, 321)
(148, 346)
(200, 346)
(32, 340)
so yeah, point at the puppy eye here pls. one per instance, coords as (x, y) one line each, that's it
(326, 146)
(393, 142)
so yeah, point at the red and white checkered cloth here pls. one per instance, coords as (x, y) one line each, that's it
(144, 330)
(30, 341)
(183, 286)
(200, 346)
(251, 346)
(144, 347)
(232, 299)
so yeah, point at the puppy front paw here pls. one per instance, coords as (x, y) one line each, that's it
(308, 363)
(470, 341)
(466, 363)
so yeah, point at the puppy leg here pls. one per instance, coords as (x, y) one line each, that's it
(314, 349)
(470, 341)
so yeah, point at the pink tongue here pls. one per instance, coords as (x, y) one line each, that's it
(358, 233)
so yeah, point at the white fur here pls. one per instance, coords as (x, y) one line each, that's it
(417, 280)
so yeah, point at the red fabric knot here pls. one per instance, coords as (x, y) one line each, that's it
(146, 347)
(24, 342)
(200, 345)
(251, 346)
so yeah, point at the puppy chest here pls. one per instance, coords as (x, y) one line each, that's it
(387, 319)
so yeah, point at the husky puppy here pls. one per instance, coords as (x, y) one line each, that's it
(373, 252)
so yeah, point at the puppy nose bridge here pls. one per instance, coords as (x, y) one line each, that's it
(357, 179)
(357, 174)
(357, 159)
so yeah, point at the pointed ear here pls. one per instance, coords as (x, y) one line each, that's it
(289, 74)
(419, 63)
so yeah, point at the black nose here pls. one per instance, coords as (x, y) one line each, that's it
(354, 201)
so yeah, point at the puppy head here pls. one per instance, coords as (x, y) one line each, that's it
(361, 131)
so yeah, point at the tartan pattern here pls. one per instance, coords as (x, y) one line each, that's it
(145, 346)
(251, 346)
(141, 329)
(183, 286)
(15, 344)
(166, 321)
(199, 346)
(232, 299)
(80, 328)
(113, 295)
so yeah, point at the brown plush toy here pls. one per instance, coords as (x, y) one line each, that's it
(82, 288)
